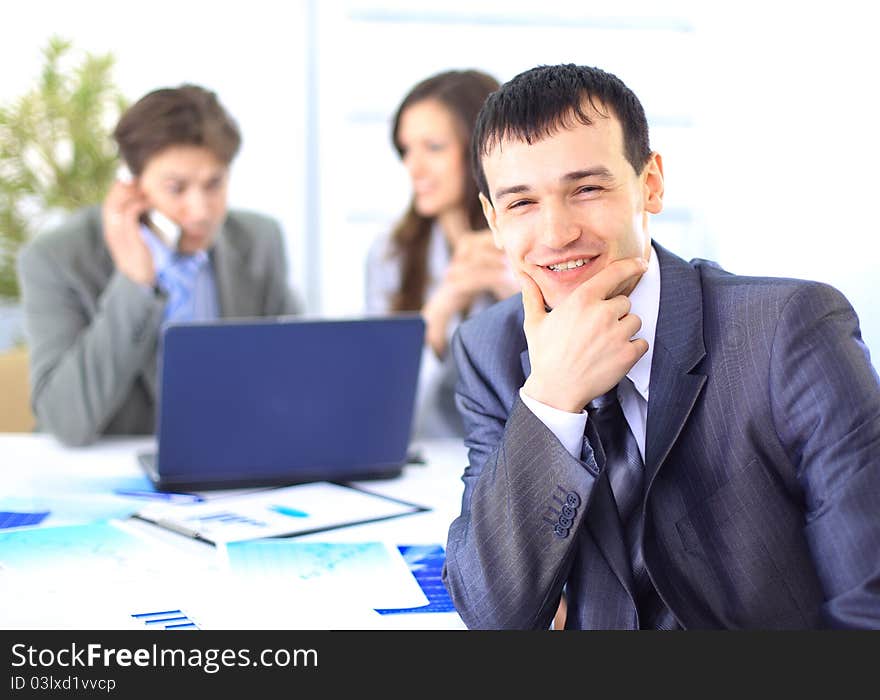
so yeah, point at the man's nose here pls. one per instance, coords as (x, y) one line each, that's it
(558, 227)
(198, 206)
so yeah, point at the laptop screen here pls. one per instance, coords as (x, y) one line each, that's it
(285, 400)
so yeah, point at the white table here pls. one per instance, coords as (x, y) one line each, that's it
(190, 575)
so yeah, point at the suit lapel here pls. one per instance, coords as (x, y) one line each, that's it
(237, 291)
(678, 348)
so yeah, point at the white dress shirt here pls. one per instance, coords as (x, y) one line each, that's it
(633, 395)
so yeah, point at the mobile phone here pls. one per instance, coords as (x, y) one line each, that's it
(162, 227)
(165, 229)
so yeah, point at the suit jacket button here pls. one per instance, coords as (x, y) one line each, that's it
(560, 531)
(565, 522)
(572, 499)
(569, 512)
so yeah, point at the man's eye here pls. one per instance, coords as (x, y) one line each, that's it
(436, 147)
(588, 189)
(519, 203)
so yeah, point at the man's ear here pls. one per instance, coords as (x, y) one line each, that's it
(491, 219)
(653, 184)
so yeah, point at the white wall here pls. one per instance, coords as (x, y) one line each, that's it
(790, 117)
(765, 113)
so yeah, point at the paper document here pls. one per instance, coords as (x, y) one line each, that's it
(369, 573)
(54, 510)
(87, 550)
(291, 510)
(426, 564)
(98, 576)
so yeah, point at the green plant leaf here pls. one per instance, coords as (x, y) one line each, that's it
(55, 152)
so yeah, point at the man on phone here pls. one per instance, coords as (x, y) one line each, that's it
(163, 247)
(666, 444)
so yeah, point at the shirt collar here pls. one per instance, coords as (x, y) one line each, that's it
(645, 301)
(160, 253)
(163, 257)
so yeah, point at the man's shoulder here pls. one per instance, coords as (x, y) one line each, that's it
(252, 235)
(78, 235)
(724, 286)
(503, 320)
(721, 286)
(249, 222)
(735, 305)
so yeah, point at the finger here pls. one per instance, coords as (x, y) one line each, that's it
(533, 300)
(122, 222)
(121, 192)
(132, 210)
(630, 325)
(638, 348)
(621, 305)
(624, 275)
(613, 279)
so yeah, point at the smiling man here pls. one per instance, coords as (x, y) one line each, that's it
(97, 290)
(666, 444)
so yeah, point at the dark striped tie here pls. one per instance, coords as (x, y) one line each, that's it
(626, 472)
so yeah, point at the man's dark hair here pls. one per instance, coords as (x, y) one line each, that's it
(537, 103)
(188, 115)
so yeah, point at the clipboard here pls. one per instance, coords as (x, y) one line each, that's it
(280, 512)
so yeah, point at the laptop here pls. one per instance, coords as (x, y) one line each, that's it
(283, 400)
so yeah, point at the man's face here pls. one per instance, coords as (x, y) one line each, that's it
(565, 207)
(188, 184)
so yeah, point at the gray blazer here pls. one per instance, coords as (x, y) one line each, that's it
(93, 333)
(762, 470)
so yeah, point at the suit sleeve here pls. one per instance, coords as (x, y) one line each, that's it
(826, 399)
(81, 371)
(510, 551)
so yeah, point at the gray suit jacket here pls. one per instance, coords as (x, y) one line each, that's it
(93, 333)
(762, 470)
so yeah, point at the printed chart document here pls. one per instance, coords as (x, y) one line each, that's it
(95, 576)
(55, 510)
(371, 573)
(291, 510)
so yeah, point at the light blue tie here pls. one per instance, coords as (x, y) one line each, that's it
(178, 279)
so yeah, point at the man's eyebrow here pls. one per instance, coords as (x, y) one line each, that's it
(600, 172)
(515, 189)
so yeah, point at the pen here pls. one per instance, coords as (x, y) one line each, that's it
(160, 495)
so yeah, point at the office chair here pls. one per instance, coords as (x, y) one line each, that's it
(15, 393)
